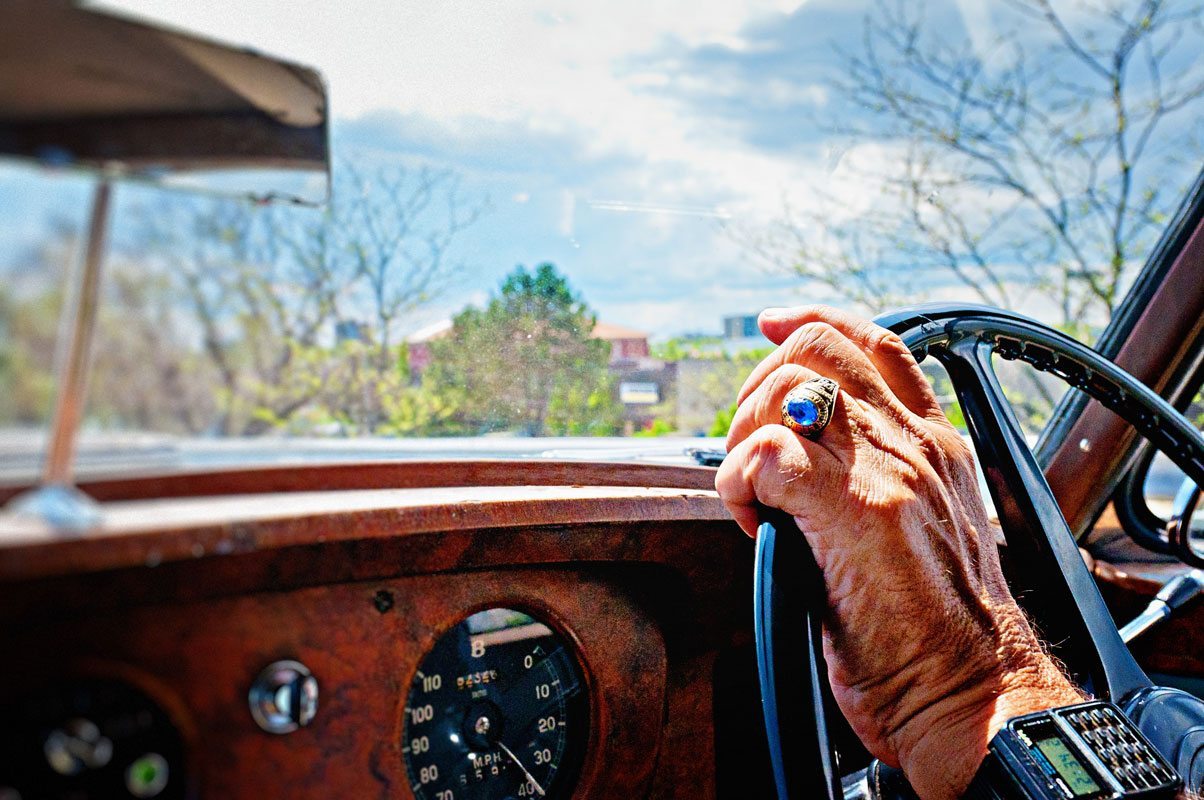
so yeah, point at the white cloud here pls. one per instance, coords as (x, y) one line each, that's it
(554, 67)
(976, 16)
(450, 60)
(574, 69)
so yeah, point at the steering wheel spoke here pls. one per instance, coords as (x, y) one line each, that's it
(1076, 618)
(1055, 585)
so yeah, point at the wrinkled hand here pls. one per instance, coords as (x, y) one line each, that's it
(928, 653)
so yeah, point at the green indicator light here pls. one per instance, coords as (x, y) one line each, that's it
(147, 775)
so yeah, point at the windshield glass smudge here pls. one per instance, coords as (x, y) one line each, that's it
(560, 219)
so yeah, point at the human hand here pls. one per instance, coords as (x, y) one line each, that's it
(928, 653)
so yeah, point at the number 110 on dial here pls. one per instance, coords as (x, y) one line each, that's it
(496, 710)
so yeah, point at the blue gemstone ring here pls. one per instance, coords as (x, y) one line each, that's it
(807, 409)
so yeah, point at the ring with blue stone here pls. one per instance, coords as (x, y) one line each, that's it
(807, 408)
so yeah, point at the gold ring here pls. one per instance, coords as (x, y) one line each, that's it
(807, 408)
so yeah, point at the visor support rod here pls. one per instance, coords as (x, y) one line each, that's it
(56, 501)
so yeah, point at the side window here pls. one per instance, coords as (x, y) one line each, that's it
(1162, 479)
(1161, 482)
(1144, 503)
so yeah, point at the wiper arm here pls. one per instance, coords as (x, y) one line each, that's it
(707, 456)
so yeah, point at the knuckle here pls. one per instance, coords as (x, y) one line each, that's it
(750, 413)
(764, 457)
(769, 466)
(889, 340)
(764, 405)
(926, 437)
(779, 382)
(765, 452)
(944, 449)
(813, 338)
(883, 341)
(958, 451)
(951, 443)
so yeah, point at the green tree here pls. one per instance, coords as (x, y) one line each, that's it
(265, 287)
(723, 420)
(31, 293)
(526, 363)
(27, 329)
(143, 376)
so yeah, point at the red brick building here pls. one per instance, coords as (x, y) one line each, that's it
(627, 345)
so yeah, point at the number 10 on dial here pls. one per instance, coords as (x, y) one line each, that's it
(496, 710)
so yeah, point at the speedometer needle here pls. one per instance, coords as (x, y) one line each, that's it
(538, 789)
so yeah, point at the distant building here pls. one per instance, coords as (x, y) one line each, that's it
(740, 334)
(626, 344)
(644, 383)
(418, 346)
(743, 326)
(350, 330)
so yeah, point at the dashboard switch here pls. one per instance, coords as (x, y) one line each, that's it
(76, 746)
(284, 697)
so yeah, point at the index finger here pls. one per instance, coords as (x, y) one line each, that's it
(889, 355)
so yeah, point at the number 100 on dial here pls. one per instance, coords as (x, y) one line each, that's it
(496, 710)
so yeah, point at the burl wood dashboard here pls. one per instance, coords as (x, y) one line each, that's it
(160, 619)
(146, 634)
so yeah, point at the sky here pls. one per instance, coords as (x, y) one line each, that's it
(612, 138)
(621, 140)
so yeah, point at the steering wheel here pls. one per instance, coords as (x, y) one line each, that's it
(1056, 587)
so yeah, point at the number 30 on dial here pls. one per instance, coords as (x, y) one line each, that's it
(496, 710)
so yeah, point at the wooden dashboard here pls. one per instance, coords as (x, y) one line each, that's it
(187, 598)
(191, 585)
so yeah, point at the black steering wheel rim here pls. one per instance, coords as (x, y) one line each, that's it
(1017, 337)
(1081, 367)
(1072, 614)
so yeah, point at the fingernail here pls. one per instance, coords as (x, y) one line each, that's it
(773, 313)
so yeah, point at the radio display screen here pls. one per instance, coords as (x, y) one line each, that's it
(1067, 765)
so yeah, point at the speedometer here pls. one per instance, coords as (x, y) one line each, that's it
(497, 710)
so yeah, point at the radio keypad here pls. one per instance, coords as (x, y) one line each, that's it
(1132, 761)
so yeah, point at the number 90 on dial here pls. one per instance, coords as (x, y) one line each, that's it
(496, 710)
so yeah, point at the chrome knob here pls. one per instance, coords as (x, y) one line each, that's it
(76, 746)
(284, 697)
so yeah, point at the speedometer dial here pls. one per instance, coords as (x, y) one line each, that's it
(497, 710)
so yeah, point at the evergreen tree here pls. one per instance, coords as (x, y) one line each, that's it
(527, 362)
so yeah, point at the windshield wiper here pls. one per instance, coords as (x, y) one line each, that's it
(706, 456)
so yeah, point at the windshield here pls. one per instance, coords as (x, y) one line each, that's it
(560, 219)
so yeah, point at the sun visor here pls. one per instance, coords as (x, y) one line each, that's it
(88, 89)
